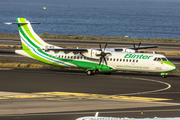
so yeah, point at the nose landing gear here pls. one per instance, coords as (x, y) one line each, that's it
(164, 75)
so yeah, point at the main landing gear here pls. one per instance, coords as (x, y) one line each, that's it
(91, 72)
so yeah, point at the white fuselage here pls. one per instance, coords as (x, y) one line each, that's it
(122, 61)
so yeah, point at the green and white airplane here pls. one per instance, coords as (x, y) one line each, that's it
(105, 60)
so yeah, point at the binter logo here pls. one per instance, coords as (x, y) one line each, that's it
(137, 56)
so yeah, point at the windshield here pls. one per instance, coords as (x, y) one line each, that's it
(160, 59)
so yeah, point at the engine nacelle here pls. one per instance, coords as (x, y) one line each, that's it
(91, 53)
(129, 50)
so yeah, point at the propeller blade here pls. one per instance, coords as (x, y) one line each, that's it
(108, 53)
(105, 61)
(100, 60)
(105, 46)
(139, 44)
(100, 46)
(98, 54)
(134, 45)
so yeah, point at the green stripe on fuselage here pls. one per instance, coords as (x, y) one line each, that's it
(168, 63)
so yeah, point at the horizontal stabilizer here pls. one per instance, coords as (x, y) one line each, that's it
(85, 50)
(8, 23)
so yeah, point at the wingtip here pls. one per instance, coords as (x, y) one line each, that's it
(7, 23)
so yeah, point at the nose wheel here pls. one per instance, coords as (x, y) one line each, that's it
(164, 75)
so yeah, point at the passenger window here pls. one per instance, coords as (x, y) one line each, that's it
(77, 57)
(68, 57)
(133, 60)
(59, 56)
(62, 56)
(130, 60)
(71, 57)
(123, 60)
(136, 60)
(107, 59)
(155, 59)
(117, 59)
(81, 57)
(110, 59)
(126, 60)
(114, 59)
(120, 60)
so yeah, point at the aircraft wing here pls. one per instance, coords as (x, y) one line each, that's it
(80, 50)
(109, 49)
(136, 48)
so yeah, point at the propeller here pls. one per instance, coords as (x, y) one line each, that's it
(136, 48)
(103, 54)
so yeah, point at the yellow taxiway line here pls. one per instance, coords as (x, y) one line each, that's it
(75, 96)
(102, 96)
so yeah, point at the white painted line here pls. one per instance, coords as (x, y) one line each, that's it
(147, 92)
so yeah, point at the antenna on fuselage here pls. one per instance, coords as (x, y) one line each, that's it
(96, 115)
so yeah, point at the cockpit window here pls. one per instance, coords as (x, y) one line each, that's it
(164, 59)
(159, 59)
(155, 59)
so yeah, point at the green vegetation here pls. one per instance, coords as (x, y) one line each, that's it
(28, 65)
(82, 37)
(11, 47)
(9, 35)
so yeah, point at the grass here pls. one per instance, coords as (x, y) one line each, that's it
(27, 65)
(11, 46)
(82, 37)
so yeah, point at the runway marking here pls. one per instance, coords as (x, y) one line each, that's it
(26, 96)
(6, 68)
(102, 96)
(2, 98)
(147, 92)
(78, 96)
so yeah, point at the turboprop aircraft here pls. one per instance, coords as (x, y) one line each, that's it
(114, 118)
(105, 60)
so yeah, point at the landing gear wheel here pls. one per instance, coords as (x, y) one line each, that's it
(163, 76)
(90, 72)
(107, 73)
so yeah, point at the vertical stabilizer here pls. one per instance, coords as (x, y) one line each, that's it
(29, 39)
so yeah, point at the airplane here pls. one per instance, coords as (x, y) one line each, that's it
(114, 118)
(104, 60)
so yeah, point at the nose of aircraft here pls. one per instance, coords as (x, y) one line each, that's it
(171, 66)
